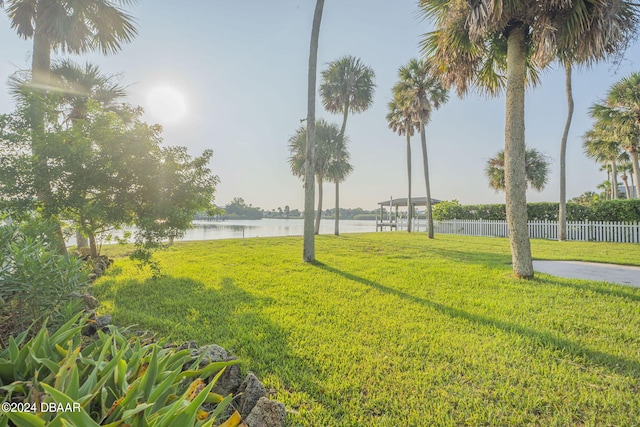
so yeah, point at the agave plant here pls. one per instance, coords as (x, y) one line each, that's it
(61, 380)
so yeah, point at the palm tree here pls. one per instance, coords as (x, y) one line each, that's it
(400, 119)
(537, 170)
(624, 98)
(72, 26)
(326, 163)
(425, 93)
(475, 40)
(309, 251)
(600, 146)
(347, 86)
(626, 168)
(618, 125)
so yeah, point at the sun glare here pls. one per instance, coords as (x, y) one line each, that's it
(166, 104)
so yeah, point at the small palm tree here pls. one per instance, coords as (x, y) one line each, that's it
(347, 86)
(617, 126)
(326, 154)
(424, 93)
(624, 99)
(602, 147)
(537, 170)
(401, 121)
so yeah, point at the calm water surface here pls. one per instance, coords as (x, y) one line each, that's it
(269, 227)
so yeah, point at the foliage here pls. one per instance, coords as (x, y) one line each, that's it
(106, 169)
(238, 209)
(35, 281)
(600, 210)
(111, 380)
(442, 334)
(331, 158)
(536, 170)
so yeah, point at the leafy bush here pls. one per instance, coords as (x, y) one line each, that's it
(607, 210)
(109, 381)
(35, 281)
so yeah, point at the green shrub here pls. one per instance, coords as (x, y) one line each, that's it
(606, 210)
(35, 281)
(110, 381)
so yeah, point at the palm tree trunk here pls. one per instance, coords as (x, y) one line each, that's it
(309, 251)
(514, 153)
(319, 213)
(614, 180)
(40, 74)
(341, 137)
(625, 180)
(562, 211)
(409, 204)
(636, 171)
(425, 163)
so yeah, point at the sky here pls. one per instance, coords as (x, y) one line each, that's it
(231, 75)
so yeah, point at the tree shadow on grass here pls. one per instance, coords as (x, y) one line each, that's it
(181, 309)
(620, 365)
(608, 289)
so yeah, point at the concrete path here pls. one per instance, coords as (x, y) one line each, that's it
(612, 273)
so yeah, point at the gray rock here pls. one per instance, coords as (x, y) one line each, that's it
(90, 301)
(231, 378)
(250, 392)
(267, 413)
(103, 321)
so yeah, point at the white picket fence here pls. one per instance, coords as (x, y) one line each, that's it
(598, 231)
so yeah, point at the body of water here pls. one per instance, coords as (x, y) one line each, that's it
(269, 227)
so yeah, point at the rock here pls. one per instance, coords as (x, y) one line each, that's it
(188, 345)
(266, 413)
(90, 301)
(103, 321)
(212, 353)
(250, 392)
(231, 378)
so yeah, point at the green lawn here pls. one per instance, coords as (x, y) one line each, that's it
(391, 329)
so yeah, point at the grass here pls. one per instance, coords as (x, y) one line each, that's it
(390, 329)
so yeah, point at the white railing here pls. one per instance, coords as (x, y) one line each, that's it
(599, 231)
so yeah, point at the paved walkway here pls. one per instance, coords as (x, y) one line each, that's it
(622, 274)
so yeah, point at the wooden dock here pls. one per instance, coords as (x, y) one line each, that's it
(380, 225)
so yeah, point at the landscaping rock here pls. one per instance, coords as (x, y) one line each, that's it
(249, 393)
(103, 321)
(90, 301)
(231, 378)
(266, 413)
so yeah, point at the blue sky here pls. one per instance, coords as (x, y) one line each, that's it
(241, 66)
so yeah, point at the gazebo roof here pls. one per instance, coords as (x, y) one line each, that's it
(402, 201)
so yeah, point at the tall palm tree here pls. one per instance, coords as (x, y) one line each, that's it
(474, 40)
(347, 86)
(401, 121)
(309, 251)
(537, 170)
(330, 158)
(425, 93)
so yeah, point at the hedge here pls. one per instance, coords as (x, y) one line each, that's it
(622, 210)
